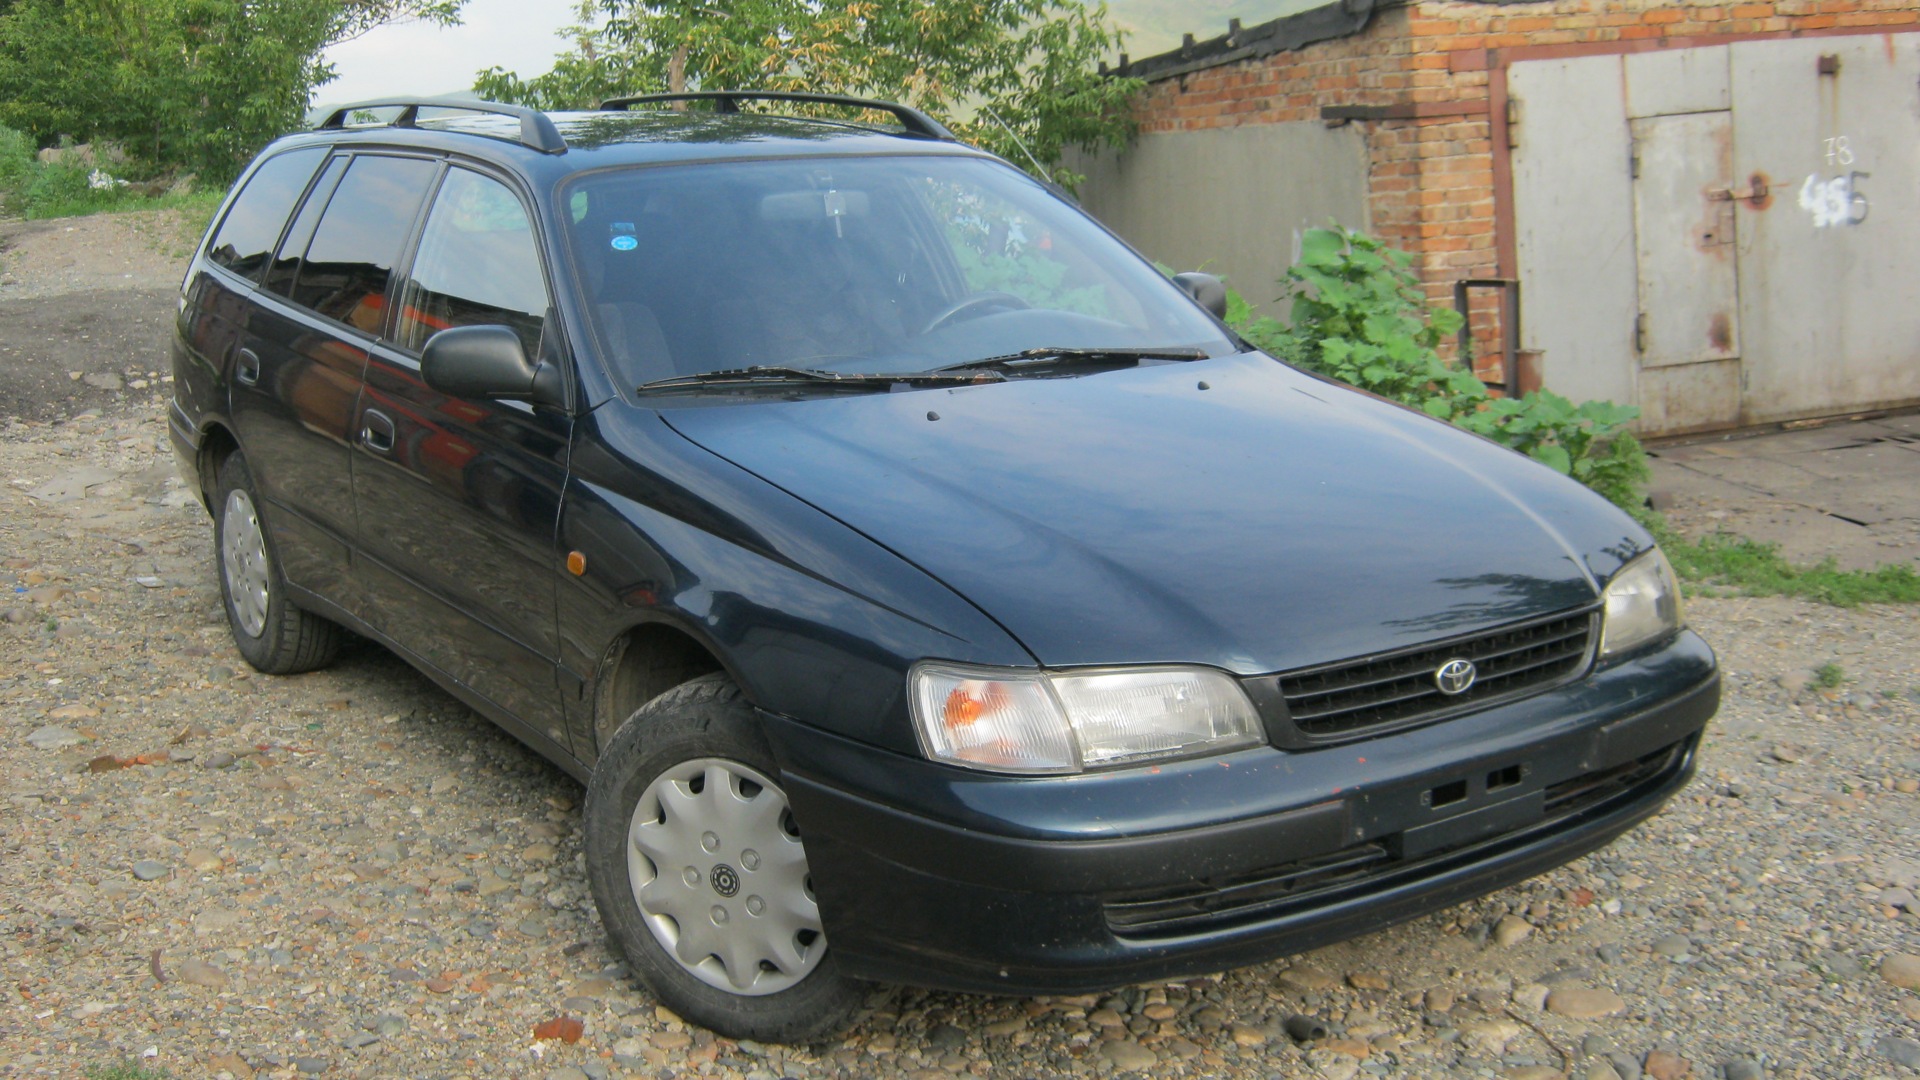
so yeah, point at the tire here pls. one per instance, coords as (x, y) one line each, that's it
(273, 633)
(677, 873)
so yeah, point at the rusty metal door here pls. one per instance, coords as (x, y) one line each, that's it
(1689, 281)
(1830, 259)
(1573, 221)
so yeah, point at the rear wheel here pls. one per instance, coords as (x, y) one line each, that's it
(700, 874)
(273, 633)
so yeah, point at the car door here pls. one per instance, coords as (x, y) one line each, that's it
(458, 500)
(297, 378)
(296, 448)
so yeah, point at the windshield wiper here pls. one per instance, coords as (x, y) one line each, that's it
(1048, 356)
(781, 375)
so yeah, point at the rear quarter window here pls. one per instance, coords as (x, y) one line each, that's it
(252, 225)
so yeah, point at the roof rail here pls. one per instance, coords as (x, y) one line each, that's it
(728, 101)
(536, 128)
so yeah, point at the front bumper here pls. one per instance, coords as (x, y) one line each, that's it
(940, 877)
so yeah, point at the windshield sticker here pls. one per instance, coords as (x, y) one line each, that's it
(625, 243)
(623, 238)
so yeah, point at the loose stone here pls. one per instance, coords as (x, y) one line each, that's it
(1248, 1036)
(1904, 1052)
(1666, 1065)
(1511, 930)
(198, 972)
(1308, 979)
(1129, 1056)
(1370, 980)
(1584, 1003)
(1000, 1029)
(54, 738)
(1902, 970)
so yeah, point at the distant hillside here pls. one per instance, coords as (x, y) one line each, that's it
(1155, 26)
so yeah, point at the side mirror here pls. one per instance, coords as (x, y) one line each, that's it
(1208, 291)
(487, 362)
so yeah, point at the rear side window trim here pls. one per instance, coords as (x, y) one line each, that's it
(226, 212)
(320, 188)
(403, 259)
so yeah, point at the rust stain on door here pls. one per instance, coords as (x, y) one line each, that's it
(1720, 332)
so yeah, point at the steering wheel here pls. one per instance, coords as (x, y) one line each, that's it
(973, 303)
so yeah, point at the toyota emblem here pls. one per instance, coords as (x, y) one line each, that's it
(1454, 677)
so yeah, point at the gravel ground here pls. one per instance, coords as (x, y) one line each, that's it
(85, 308)
(218, 873)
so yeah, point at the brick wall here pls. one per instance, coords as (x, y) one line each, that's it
(1430, 182)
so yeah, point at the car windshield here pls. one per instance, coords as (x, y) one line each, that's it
(858, 266)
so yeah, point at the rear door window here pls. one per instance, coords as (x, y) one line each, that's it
(253, 223)
(478, 264)
(359, 239)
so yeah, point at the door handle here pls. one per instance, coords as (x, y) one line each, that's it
(376, 431)
(246, 367)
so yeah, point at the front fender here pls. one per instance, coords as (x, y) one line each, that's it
(815, 621)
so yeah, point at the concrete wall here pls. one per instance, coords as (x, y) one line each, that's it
(1233, 200)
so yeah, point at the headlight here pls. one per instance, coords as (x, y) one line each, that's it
(1016, 721)
(1643, 603)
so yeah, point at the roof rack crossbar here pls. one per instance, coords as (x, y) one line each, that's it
(728, 101)
(536, 128)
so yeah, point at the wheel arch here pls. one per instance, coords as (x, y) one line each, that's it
(217, 443)
(642, 662)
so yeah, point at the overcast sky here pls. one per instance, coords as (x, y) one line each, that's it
(519, 35)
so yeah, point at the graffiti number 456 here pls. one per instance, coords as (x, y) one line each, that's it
(1838, 201)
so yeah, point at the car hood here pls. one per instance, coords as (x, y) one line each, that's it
(1233, 512)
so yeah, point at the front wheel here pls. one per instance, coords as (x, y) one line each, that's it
(700, 874)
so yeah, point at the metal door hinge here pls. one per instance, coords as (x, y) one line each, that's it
(1640, 332)
(1633, 160)
(1513, 123)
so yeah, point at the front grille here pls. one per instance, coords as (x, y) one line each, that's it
(1306, 883)
(1362, 696)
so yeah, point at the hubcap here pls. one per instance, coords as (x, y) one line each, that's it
(716, 866)
(243, 559)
